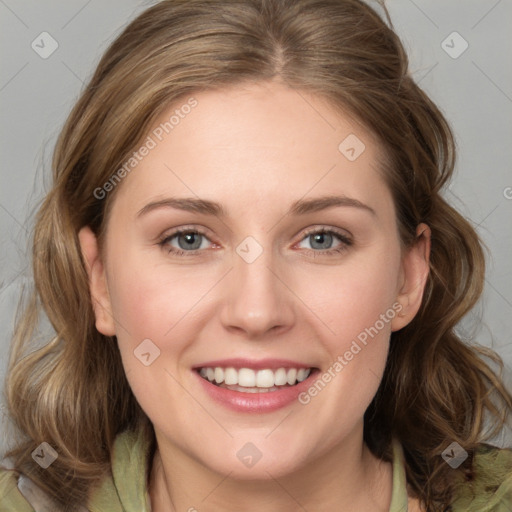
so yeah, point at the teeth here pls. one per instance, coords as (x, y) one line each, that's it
(247, 378)
(280, 378)
(301, 374)
(265, 379)
(231, 376)
(219, 375)
(291, 376)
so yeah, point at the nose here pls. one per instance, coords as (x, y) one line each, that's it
(258, 300)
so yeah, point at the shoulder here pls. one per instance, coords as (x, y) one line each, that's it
(491, 488)
(20, 494)
(11, 499)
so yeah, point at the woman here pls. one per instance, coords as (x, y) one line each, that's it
(209, 355)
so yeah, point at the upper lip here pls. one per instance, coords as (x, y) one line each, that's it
(260, 364)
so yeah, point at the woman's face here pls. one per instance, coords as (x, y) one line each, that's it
(259, 293)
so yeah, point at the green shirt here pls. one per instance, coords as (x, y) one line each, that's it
(126, 489)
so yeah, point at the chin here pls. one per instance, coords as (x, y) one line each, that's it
(248, 462)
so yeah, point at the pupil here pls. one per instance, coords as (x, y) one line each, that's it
(190, 241)
(323, 238)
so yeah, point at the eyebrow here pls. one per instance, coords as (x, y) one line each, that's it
(300, 207)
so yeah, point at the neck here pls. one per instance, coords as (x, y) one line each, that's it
(345, 479)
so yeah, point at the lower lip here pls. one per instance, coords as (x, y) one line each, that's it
(255, 402)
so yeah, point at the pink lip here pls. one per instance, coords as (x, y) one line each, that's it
(255, 402)
(271, 364)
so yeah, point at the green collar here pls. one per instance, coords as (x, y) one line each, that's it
(126, 490)
(399, 498)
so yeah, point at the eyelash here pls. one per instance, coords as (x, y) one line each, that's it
(346, 241)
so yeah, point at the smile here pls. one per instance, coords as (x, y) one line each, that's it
(247, 380)
(249, 385)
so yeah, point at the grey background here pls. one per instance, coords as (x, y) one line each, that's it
(474, 90)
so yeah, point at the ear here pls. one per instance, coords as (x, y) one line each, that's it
(97, 282)
(413, 277)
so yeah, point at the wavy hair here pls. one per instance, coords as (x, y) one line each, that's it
(73, 393)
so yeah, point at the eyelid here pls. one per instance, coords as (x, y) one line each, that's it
(163, 239)
(343, 236)
(169, 233)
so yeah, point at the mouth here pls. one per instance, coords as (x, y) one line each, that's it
(247, 385)
(249, 380)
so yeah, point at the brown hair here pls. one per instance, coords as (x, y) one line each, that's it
(73, 393)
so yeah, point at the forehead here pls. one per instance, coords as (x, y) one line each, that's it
(255, 144)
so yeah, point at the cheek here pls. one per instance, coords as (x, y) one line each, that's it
(156, 302)
(350, 298)
(150, 300)
(153, 315)
(356, 302)
(359, 310)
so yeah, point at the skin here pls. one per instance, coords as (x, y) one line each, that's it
(256, 149)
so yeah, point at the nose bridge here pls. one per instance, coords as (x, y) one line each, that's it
(257, 300)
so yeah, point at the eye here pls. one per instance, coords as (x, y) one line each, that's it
(323, 238)
(188, 240)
